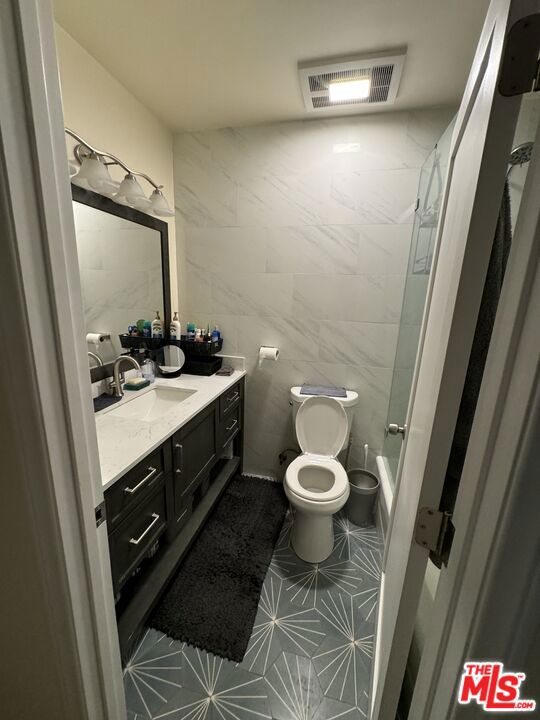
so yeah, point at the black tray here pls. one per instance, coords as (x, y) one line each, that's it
(202, 365)
(191, 347)
(136, 341)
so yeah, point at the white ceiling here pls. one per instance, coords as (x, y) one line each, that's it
(201, 64)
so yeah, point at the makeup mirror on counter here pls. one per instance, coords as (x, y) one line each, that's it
(170, 360)
(124, 265)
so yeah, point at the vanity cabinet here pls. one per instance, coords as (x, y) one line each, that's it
(155, 511)
(194, 453)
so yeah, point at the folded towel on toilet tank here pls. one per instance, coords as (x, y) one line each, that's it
(321, 390)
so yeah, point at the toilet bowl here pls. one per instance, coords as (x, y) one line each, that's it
(316, 483)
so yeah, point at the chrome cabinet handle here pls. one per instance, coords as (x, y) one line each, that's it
(138, 540)
(233, 397)
(180, 448)
(231, 426)
(145, 479)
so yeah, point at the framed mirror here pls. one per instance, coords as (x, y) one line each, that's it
(124, 266)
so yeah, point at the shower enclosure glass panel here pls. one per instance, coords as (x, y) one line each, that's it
(432, 178)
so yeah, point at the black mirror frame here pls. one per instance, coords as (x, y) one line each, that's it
(88, 197)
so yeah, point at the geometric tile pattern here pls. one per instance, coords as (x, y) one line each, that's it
(310, 653)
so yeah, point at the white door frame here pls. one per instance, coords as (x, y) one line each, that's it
(487, 600)
(478, 160)
(46, 411)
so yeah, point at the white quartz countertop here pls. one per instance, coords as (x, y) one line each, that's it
(124, 442)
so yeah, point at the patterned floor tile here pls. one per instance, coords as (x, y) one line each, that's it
(284, 539)
(310, 652)
(331, 709)
(152, 675)
(293, 688)
(305, 582)
(344, 659)
(280, 627)
(219, 689)
(136, 716)
(349, 537)
(369, 562)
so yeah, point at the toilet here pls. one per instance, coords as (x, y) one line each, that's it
(316, 483)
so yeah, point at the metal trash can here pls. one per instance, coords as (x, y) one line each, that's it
(364, 487)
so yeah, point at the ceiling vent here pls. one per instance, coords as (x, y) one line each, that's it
(382, 70)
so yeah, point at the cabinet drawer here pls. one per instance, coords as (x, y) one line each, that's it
(229, 426)
(133, 487)
(133, 538)
(229, 399)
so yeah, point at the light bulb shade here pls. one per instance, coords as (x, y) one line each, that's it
(160, 206)
(94, 175)
(131, 193)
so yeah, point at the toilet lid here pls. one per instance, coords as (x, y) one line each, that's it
(321, 426)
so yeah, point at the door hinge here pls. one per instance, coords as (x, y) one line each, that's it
(520, 67)
(434, 531)
(101, 515)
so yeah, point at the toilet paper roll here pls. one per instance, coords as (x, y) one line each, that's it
(96, 338)
(268, 353)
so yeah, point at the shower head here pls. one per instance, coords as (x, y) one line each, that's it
(521, 154)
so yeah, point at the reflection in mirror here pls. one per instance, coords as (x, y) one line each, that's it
(170, 360)
(121, 275)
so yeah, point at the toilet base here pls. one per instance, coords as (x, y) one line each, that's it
(312, 536)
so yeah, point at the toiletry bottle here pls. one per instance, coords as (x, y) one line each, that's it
(147, 369)
(175, 329)
(147, 329)
(157, 326)
(215, 333)
(191, 331)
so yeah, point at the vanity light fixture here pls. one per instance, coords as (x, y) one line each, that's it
(347, 90)
(131, 193)
(160, 206)
(92, 173)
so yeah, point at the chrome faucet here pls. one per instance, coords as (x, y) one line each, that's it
(95, 357)
(116, 385)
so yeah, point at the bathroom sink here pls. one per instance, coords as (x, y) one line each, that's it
(153, 404)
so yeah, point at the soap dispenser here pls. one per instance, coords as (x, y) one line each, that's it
(175, 329)
(157, 326)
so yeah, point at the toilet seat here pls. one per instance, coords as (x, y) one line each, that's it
(317, 478)
(321, 426)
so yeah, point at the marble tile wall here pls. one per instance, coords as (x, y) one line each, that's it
(297, 235)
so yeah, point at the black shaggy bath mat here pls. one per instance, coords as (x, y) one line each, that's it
(212, 601)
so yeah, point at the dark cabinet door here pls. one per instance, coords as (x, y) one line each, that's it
(194, 452)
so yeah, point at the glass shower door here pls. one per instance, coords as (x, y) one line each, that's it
(431, 185)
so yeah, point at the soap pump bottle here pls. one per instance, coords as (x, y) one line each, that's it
(175, 329)
(157, 326)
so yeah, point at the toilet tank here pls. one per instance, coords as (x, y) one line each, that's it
(347, 402)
